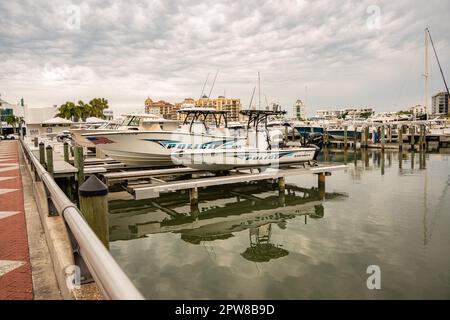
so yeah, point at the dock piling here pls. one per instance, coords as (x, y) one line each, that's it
(42, 153)
(412, 132)
(383, 138)
(66, 152)
(49, 160)
(345, 137)
(400, 138)
(193, 197)
(93, 195)
(79, 164)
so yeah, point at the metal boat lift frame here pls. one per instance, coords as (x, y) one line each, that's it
(157, 185)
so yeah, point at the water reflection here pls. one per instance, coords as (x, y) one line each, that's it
(221, 212)
(369, 159)
(250, 241)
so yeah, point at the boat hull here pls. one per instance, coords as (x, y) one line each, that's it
(222, 159)
(154, 148)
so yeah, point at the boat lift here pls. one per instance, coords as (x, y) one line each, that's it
(146, 184)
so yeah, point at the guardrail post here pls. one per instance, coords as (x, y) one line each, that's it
(42, 153)
(79, 164)
(66, 152)
(93, 195)
(49, 153)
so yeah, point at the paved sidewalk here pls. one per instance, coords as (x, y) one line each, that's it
(15, 269)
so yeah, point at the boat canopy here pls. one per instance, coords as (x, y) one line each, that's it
(201, 114)
(256, 117)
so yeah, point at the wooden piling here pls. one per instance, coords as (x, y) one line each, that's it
(412, 132)
(400, 138)
(281, 184)
(93, 195)
(382, 138)
(42, 153)
(79, 164)
(345, 137)
(422, 137)
(66, 152)
(321, 185)
(366, 137)
(49, 159)
(355, 137)
(193, 197)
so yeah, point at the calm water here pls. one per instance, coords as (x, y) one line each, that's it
(250, 242)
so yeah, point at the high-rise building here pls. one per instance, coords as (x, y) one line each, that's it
(299, 110)
(440, 103)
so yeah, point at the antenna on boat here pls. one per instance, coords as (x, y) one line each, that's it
(215, 77)
(203, 89)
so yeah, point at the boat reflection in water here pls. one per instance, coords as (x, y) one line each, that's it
(255, 207)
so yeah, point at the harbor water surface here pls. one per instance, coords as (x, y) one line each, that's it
(250, 242)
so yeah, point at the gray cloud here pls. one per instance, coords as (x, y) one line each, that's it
(126, 50)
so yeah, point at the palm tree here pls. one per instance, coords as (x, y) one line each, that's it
(11, 120)
(69, 111)
(98, 105)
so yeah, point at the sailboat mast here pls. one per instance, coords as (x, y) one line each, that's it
(425, 75)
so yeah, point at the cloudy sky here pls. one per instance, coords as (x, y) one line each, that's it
(347, 53)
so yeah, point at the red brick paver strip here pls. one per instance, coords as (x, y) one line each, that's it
(15, 269)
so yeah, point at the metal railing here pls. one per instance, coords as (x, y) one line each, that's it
(109, 277)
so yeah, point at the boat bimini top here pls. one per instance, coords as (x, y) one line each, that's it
(257, 117)
(201, 114)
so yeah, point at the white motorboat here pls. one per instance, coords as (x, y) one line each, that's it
(153, 147)
(258, 151)
(131, 121)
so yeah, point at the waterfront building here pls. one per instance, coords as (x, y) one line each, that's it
(6, 109)
(232, 105)
(161, 108)
(299, 110)
(418, 110)
(347, 113)
(439, 103)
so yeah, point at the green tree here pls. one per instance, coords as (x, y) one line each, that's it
(85, 110)
(97, 107)
(11, 120)
(69, 110)
(72, 111)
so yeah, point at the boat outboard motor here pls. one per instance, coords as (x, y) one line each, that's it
(315, 140)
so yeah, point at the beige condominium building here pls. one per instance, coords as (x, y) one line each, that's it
(233, 106)
(170, 111)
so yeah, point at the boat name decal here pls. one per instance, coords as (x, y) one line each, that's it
(173, 144)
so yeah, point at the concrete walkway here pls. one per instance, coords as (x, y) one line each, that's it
(26, 268)
(15, 267)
